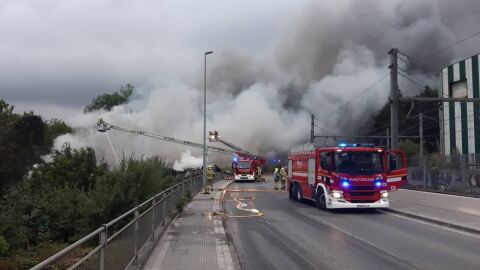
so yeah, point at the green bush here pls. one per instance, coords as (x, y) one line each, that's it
(74, 194)
(4, 246)
(180, 204)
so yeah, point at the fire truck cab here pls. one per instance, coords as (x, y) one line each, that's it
(247, 168)
(347, 176)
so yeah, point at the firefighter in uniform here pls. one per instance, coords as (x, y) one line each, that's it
(259, 173)
(210, 177)
(283, 177)
(276, 177)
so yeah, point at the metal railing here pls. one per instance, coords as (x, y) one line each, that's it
(120, 240)
(458, 174)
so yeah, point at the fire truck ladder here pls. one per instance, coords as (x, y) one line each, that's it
(104, 127)
(214, 137)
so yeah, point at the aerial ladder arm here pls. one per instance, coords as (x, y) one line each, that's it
(104, 127)
(233, 146)
(213, 136)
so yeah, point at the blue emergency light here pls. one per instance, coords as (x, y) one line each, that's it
(343, 145)
(345, 183)
(235, 159)
(378, 183)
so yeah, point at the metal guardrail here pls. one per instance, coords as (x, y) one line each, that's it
(458, 174)
(121, 249)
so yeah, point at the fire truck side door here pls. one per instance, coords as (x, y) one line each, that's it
(396, 169)
(325, 167)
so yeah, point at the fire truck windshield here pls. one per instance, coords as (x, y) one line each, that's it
(243, 164)
(359, 162)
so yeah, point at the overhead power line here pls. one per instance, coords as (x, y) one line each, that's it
(358, 95)
(323, 122)
(450, 46)
(384, 127)
(410, 79)
(350, 101)
(421, 60)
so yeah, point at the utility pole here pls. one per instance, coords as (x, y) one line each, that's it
(204, 180)
(420, 124)
(388, 139)
(312, 129)
(394, 97)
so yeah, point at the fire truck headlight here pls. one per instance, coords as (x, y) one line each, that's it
(336, 195)
(385, 194)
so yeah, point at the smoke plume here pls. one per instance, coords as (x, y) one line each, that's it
(329, 54)
(187, 161)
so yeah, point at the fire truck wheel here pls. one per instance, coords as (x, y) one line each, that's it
(299, 193)
(291, 191)
(320, 200)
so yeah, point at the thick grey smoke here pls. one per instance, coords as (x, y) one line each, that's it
(330, 53)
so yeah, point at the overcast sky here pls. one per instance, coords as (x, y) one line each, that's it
(55, 56)
(62, 53)
(275, 62)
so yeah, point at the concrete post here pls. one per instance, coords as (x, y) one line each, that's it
(424, 173)
(164, 201)
(312, 129)
(103, 247)
(388, 139)
(135, 238)
(394, 97)
(420, 124)
(463, 173)
(153, 217)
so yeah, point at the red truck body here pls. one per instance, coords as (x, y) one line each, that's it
(346, 177)
(247, 168)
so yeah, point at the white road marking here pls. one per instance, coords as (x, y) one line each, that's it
(431, 224)
(442, 194)
(370, 243)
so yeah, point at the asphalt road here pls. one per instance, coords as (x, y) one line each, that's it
(292, 235)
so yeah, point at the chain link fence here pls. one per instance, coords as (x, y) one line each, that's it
(458, 174)
(120, 240)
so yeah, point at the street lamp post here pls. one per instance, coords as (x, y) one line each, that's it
(204, 180)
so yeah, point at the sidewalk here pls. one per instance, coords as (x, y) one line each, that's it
(458, 212)
(194, 240)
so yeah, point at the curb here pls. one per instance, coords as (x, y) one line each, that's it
(225, 254)
(434, 221)
(233, 250)
(460, 194)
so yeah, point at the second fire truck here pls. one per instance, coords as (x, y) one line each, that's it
(247, 167)
(347, 176)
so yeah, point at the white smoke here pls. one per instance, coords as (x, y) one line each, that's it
(254, 120)
(332, 52)
(187, 161)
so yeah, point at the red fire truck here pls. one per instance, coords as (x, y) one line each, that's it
(347, 176)
(246, 167)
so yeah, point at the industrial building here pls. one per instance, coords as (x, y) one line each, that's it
(460, 121)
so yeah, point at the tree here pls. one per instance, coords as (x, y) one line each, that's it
(72, 167)
(408, 119)
(24, 139)
(56, 127)
(22, 144)
(108, 101)
(4, 246)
